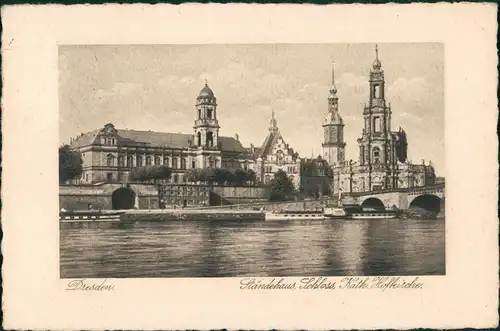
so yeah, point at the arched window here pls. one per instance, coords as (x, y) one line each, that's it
(139, 161)
(376, 91)
(183, 163)
(165, 161)
(148, 160)
(210, 139)
(376, 124)
(198, 137)
(209, 113)
(110, 160)
(130, 161)
(174, 163)
(157, 160)
(376, 155)
(175, 178)
(121, 161)
(199, 113)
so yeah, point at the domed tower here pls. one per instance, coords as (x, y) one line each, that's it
(206, 125)
(333, 127)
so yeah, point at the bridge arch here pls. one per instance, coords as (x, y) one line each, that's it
(123, 198)
(427, 202)
(373, 203)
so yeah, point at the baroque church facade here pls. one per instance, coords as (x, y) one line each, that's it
(382, 162)
(109, 153)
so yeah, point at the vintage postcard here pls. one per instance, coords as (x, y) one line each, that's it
(197, 167)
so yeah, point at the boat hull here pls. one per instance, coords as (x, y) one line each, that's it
(69, 217)
(291, 217)
(380, 216)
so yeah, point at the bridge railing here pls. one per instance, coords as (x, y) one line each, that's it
(419, 189)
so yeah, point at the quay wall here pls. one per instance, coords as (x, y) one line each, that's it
(77, 197)
(190, 215)
(244, 192)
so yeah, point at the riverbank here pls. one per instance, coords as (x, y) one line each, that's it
(191, 214)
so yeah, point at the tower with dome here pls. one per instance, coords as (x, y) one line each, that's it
(333, 127)
(110, 153)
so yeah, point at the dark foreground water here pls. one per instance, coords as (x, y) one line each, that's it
(291, 248)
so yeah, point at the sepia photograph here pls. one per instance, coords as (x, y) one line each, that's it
(249, 167)
(257, 160)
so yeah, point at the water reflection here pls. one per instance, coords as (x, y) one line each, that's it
(294, 248)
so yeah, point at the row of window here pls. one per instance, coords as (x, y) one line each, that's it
(290, 169)
(194, 194)
(181, 202)
(108, 141)
(141, 161)
(186, 187)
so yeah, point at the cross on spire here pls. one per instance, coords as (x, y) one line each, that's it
(376, 51)
(333, 73)
(206, 82)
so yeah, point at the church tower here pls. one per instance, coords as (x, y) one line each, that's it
(333, 128)
(206, 125)
(375, 143)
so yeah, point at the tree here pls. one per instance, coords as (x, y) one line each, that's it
(251, 176)
(281, 186)
(222, 176)
(192, 175)
(207, 175)
(239, 177)
(142, 174)
(70, 164)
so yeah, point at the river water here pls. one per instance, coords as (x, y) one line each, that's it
(225, 249)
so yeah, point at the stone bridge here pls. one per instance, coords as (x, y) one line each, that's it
(430, 198)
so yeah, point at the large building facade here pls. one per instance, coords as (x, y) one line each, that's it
(109, 153)
(383, 161)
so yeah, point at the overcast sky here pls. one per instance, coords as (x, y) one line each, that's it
(153, 87)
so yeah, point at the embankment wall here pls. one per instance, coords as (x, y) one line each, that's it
(77, 197)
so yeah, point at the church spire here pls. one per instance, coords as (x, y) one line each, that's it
(273, 124)
(333, 88)
(332, 96)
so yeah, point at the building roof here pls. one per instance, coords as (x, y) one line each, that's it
(206, 91)
(84, 139)
(155, 139)
(267, 144)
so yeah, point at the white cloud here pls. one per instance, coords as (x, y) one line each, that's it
(352, 83)
(118, 88)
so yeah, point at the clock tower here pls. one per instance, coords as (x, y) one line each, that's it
(333, 128)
